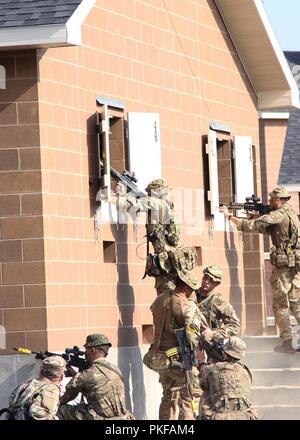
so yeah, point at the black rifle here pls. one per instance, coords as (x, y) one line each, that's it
(129, 180)
(189, 358)
(252, 204)
(214, 349)
(72, 356)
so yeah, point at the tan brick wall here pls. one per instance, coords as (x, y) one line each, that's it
(272, 138)
(21, 247)
(170, 57)
(179, 62)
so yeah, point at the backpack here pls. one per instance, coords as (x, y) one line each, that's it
(21, 399)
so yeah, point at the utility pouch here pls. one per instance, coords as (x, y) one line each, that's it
(156, 361)
(291, 259)
(282, 260)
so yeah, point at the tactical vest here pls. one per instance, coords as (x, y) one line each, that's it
(229, 386)
(285, 239)
(161, 228)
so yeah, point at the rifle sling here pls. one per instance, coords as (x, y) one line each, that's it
(109, 367)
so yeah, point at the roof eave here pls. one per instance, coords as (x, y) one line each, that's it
(246, 39)
(34, 37)
(45, 36)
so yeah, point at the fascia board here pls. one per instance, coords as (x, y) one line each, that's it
(75, 21)
(33, 36)
(293, 94)
(53, 35)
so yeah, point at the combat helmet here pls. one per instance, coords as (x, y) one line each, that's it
(96, 339)
(53, 366)
(157, 184)
(281, 192)
(214, 272)
(235, 347)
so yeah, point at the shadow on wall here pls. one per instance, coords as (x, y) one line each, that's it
(235, 292)
(15, 370)
(130, 357)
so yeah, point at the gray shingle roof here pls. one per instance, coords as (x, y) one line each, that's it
(289, 173)
(35, 12)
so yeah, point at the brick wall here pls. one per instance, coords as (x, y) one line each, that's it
(22, 288)
(170, 57)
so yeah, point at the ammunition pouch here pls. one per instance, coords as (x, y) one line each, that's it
(174, 357)
(157, 361)
(280, 258)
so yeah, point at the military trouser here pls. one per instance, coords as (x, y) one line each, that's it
(285, 283)
(176, 402)
(84, 412)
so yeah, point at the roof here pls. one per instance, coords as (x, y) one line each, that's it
(289, 174)
(34, 13)
(252, 35)
(293, 59)
(42, 23)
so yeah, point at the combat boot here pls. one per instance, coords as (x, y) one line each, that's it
(285, 347)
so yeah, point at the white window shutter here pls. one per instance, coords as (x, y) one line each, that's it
(144, 147)
(243, 168)
(213, 193)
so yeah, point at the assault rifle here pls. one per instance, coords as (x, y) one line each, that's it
(214, 349)
(72, 356)
(189, 358)
(252, 204)
(129, 180)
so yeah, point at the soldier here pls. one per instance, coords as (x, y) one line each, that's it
(226, 386)
(283, 225)
(38, 399)
(172, 311)
(101, 384)
(161, 229)
(220, 315)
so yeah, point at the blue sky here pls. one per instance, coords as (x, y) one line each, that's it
(284, 16)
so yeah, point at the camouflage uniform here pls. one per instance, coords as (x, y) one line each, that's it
(227, 386)
(39, 398)
(283, 226)
(162, 231)
(180, 312)
(219, 314)
(102, 385)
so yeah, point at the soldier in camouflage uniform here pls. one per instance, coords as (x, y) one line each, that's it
(39, 398)
(101, 384)
(161, 228)
(172, 311)
(226, 386)
(220, 315)
(283, 225)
